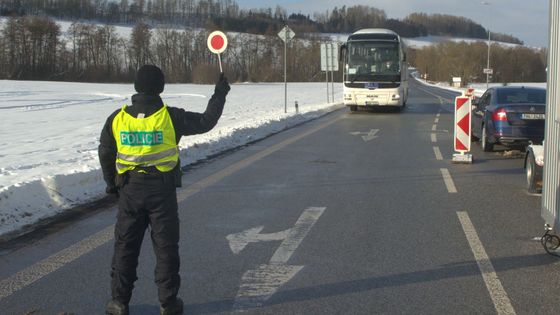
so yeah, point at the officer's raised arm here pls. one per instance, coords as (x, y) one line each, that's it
(190, 123)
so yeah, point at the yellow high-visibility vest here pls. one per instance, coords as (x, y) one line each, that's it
(144, 142)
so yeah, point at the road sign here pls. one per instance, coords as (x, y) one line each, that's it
(488, 71)
(462, 124)
(329, 56)
(286, 34)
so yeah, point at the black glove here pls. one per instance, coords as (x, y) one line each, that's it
(112, 190)
(222, 86)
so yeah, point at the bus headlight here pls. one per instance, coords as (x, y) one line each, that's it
(396, 97)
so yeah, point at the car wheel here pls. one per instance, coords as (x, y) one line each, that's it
(530, 167)
(486, 145)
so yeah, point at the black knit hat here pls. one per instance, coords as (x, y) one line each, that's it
(149, 80)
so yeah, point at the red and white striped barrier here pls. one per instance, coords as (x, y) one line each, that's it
(462, 134)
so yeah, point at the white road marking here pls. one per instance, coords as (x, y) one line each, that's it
(438, 154)
(46, 266)
(434, 138)
(258, 285)
(441, 99)
(366, 136)
(434, 127)
(296, 235)
(499, 296)
(238, 241)
(436, 121)
(50, 264)
(448, 181)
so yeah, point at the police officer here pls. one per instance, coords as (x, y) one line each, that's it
(140, 162)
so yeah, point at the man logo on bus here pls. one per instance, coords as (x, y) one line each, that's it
(372, 85)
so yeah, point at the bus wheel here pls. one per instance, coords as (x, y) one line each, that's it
(353, 108)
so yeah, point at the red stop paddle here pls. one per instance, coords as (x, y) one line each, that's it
(217, 43)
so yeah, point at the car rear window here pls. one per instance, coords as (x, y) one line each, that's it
(513, 96)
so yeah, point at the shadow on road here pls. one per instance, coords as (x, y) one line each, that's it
(443, 272)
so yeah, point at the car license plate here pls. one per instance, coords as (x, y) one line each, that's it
(530, 116)
(372, 103)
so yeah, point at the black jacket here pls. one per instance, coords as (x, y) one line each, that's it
(185, 123)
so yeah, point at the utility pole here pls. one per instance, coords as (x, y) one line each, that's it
(488, 71)
(488, 61)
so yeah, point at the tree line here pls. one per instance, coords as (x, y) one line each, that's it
(227, 15)
(445, 60)
(31, 47)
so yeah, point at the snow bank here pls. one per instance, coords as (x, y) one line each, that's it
(51, 132)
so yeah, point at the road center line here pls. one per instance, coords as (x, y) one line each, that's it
(448, 181)
(434, 127)
(438, 154)
(436, 121)
(434, 138)
(499, 296)
(35, 272)
(54, 262)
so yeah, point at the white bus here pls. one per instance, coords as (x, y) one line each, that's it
(375, 70)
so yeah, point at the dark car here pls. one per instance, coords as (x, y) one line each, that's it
(512, 116)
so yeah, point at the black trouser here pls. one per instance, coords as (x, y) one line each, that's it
(146, 199)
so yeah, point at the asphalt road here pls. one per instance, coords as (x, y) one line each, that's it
(353, 213)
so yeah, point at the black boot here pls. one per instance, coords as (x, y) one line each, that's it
(173, 308)
(115, 307)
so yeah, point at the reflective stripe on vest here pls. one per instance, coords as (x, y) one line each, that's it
(144, 142)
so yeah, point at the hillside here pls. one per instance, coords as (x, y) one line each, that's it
(226, 15)
(72, 51)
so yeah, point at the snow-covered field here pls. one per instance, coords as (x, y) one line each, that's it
(50, 133)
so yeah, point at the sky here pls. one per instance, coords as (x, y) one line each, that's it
(524, 19)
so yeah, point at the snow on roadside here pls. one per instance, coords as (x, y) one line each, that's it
(479, 88)
(51, 131)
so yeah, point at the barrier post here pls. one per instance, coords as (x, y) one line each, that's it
(462, 130)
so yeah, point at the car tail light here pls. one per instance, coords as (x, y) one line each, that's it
(499, 114)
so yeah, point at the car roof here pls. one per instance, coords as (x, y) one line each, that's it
(518, 87)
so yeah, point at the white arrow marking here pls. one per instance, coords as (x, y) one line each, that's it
(238, 241)
(258, 285)
(366, 136)
(296, 235)
(371, 135)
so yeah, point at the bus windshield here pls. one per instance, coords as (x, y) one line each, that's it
(373, 61)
